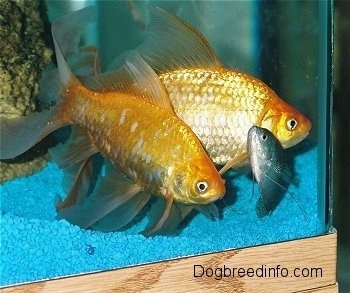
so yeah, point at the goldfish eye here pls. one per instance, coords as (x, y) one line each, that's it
(291, 124)
(202, 186)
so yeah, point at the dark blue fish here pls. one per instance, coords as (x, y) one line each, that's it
(269, 169)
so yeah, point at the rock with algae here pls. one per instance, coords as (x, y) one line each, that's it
(23, 55)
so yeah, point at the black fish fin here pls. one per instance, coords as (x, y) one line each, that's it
(271, 194)
(123, 214)
(283, 172)
(111, 190)
(260, 208)
(134, 77)
(77, 148)
(174, 44)
(272, 191)
(17, 135)
(76, 181)
(177, 213)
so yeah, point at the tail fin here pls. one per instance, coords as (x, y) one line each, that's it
(83, 64)
(66, 33)
(20, 134)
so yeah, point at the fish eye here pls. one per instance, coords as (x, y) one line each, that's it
(202, 186)
(291, 124)
(264, 136)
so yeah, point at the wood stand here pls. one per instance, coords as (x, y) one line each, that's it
(305, 265)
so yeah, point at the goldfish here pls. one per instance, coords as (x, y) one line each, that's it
(273, 175)
(219, 104)
(148, 150)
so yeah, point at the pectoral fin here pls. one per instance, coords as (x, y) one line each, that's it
(76, 181)
(160, 224)
(177, 213)
(236, 162)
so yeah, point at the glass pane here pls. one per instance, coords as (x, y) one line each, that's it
(285, 44)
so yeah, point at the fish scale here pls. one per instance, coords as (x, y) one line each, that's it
(194, 91)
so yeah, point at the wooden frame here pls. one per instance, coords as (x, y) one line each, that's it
(315, 256)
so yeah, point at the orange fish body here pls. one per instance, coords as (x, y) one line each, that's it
(152, 151)
(145, 141)
(219, 104)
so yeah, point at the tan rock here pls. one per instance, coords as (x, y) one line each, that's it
(23, 55)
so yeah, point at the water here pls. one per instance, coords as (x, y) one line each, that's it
(285, 44)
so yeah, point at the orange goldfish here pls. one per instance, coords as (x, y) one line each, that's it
(150, 150)
(219, 104)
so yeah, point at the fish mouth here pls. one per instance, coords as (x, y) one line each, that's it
(302, 137)
(212, 199)
(218, 197)
(295, 141)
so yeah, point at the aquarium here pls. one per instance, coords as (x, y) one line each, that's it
(286, 45)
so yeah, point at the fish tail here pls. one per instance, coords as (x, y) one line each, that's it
(66, 33)
(19, 134)
(72, 60)
(83, 64)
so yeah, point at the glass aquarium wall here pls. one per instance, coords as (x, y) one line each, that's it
(287, 46)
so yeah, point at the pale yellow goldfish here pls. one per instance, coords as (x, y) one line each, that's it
(150, 149)
(219, 104)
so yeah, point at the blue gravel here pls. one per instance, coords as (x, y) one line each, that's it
(35, 246)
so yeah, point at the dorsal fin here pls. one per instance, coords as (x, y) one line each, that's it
(174, 44)
(134, 77)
